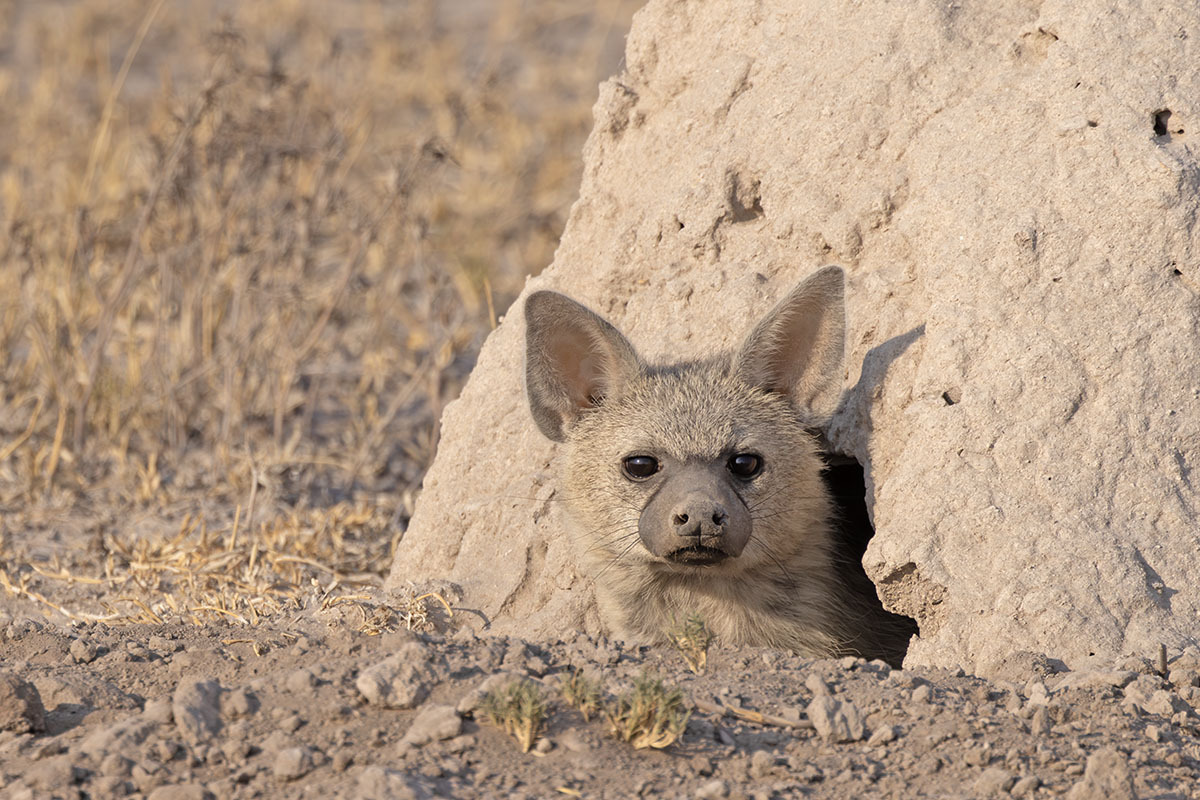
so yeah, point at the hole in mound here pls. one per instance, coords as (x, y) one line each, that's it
(882, 634)
(951, 397)
(1163, 125)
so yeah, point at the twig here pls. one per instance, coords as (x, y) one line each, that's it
(729, 710)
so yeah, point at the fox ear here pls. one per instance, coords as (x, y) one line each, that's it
(574, 360)
(798, 349)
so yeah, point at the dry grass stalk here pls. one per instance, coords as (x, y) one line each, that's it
(692, 638)
(583, 694)
(286, 235)
(649, 715)
(519, 709)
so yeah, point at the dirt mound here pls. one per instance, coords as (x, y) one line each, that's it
(1014, 195)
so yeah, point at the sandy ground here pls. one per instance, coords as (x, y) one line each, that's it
(312, 707)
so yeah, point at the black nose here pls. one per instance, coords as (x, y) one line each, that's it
(699, 517)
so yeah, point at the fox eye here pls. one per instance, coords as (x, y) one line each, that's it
(640, 467)
(745, 465)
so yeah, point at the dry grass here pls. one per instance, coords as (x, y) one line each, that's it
(245, 260)
(519, 709)
(692, 638)
(648, 715)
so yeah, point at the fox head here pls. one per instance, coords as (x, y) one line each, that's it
(702, 468)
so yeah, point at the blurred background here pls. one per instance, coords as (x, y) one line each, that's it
(248, 252)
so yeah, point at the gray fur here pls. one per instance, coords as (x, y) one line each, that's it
(753, 556)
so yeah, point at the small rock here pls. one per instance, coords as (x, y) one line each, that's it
(882, 735)
(1107, 777)
(21, 708)
(574, 741)
(977, 756)
(1025, 786)
(105, 787)
(762, 764)
(1039, 724)
(817, 686)
(341, 760)
(1095, 679)
(116, 764)
(713, 790)
(197, 708)
(836, 720)
(922, 694)
(544, 745)
(377, 783)
(290, 723)
(300, 681)
(292, 763)
(400, 681)
(181, 791)
(239, 702)
(121, 737)
(1164, 704)
(158, 710)
(994, 781)
(83, 652)
(434, 723)
(52, 774)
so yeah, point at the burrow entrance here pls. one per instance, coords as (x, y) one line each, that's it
(883, 634)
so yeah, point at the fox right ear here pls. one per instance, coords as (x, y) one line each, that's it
(574, 359)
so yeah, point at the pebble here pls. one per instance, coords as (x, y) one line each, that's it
(922, 693)
(21, 708)
(1107, 777)
(377, 783)
(83, 652)
(400, 681)
(817, 686)
(1025, 786)
(994, 781)
(762, 763)
(836, 720)
(713, 790)
(197, 710)
(300, 681)
(434, 723)
(292, 763)
(181, 791)
(882, 735)
(239, 702)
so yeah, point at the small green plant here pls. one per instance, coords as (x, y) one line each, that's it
(692, 638)
(651, 715)
(519, 709)
(583, 694)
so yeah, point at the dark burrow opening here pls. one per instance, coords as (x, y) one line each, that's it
(881, 634)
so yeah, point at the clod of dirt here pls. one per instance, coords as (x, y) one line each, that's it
(836, 720)
(399, 681)
(83, 652)
(994, 782)
(293, 762)
(20, 705)
(197, 708)
(1107, 777)
(435, 723)
(184, 791)
(377, 783)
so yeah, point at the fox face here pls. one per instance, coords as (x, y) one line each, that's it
(696, 486)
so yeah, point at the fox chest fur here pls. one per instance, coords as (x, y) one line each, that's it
(695, 487)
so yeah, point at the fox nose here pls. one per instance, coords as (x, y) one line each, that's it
(699, 516)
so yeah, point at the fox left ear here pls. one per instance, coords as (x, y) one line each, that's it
(798, 349)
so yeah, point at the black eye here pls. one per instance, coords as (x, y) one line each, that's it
(745, 465)
(639, 467)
